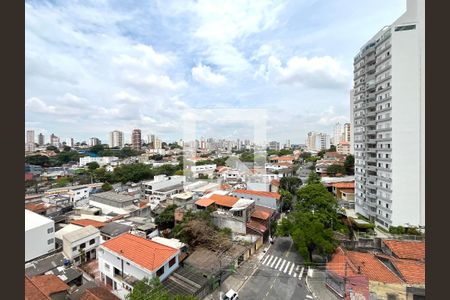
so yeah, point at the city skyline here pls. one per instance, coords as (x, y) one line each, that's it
(283, 55)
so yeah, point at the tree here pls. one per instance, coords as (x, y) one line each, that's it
(152, 289)
(335, 169)
(332, 148)
(66, 148)
(179, 172)
(39, 160)
(106, 187)
(313, 177)
(167, 218)
(92, 166)
(321, 153)
(349, 165)
(305, 155)
(286, 200)
(97, 148)
(290, 184)
(203, 176)
(309, 234)
(52, 148)
(156, 157)
(62, 182)
(67, 156)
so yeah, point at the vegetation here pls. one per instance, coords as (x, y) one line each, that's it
(290, 184)
(280, 153)
(152, 289)
(58, 160)
(332, 148)
(92, 166)
(203, 176)
(286, 200)
(335, 169)
(218, 161)
(52, 148)
(106, 187)
(167, 218)
(313, 178)
(349, 165)
(405, 230)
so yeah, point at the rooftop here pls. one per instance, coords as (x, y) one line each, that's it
(262, 213)
(242, 204)
(113, 196)
(81, 233)
(259, 193)
(223, 200)
(114, 229)
(344, 185)
(65, 230)
(148, 254)
(39, 267)
(407, 249)
(41, 287)
(87, 222)
(205, 202)
(33, 220)
(98, 293)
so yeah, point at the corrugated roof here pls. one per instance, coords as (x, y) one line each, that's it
(145, 253)
(81, 233)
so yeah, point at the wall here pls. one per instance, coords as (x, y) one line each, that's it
(36, 241)
(260, 200)
(67, 246)
(133, 269)
(235, 225)
(407, 127)
(383, 289)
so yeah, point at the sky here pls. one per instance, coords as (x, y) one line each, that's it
(96, 66)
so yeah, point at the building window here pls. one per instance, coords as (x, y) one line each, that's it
(387, 205)
(106, 266)
(74, 249)
(404, 28)
(82, 246)
(50, 241)
(50, 230)
(160, 271)
(172, 262)
(92, 242)
(387, 216)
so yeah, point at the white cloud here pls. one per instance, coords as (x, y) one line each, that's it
(203, 74)
(330, 117)
(316, 72)
(35, 104)
(125, 97)
(162, 82)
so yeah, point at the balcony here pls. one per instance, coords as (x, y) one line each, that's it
(383, 119)
(370, 96)
(382, 60)
(371, 159)
(371, 150)
(370, 68)
(383, 149)
(383, 79)
(370, 123)
(372, 113)
(385, 139)
(371, 141)
(370, 86)
(383, 169)
(371, 168)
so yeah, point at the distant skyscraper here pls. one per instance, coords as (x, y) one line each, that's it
(94, 142)
(41, 139)
(136, 140)
(29, 145)
(274, 145)
(352, 132)
(347, 133)
(54, 140)
(337, 134)
(116, 139)
(158, 144)
(70, 142)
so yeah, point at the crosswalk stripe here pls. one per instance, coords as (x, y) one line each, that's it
(292, 268)
(295, 275)
(309, 297)
(297, 268)
(265, 259)
(281, 267)
(268, 262)
(273, 263)
(287, 266)
(301, 273)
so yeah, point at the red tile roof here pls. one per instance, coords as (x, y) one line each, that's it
(366, 263)
(147, 254)
(36, 207)
(205, 202)
(275, 182)
(87, 222)
(98, 293)
(43, 286)
(413, 272)
(256, 226)
(259, 193)
(262, 213)
(223, 200)
(344, 185)
(407, 249)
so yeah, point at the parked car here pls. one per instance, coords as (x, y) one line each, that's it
(231, 295)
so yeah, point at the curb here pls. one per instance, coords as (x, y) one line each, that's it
(307, 285)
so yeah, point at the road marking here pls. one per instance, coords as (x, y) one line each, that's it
(292, 268)
(268, 262)
(276, 266)
(273, 263)
(295, 275)
(265, 259)
(287, 266)
(309, 297)
(281, 267)
(301, 273)
(297, 268)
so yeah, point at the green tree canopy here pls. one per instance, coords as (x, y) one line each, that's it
(152, 289)
(52, 148)
(97, 148)
(332, 148)
(335, 169)
(40, 160)
(106, 187)
(93, 166)
(313, 177)
(66, 148)
(349, 165)
(167, 218)
(290, 184)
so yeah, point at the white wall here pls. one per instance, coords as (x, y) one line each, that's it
(36, 241)
(407, 125)
(260, 200)
(67, 246)
(107, 256)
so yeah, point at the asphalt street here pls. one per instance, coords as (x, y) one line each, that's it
(279, 275)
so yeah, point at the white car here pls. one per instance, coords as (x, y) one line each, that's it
(230, 295)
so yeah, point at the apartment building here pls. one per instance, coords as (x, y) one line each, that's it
(136, 140)
(39, 235)
(116, 139)
(389, 122)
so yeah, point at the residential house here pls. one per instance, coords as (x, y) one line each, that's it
(343, 148)
(101, 160)
(384, 276)
(112, 230)
(39, 235)
(274, 185)
(234, 217)
(260, 221)
(344, 191)
(162, 187)
(45, 287)
(79, 245)
(266, 199)
(128, 258)
(207, 170)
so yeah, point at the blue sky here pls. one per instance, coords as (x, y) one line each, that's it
(95, 66)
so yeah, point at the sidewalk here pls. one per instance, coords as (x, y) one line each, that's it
(237, 280)
(316, 283)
